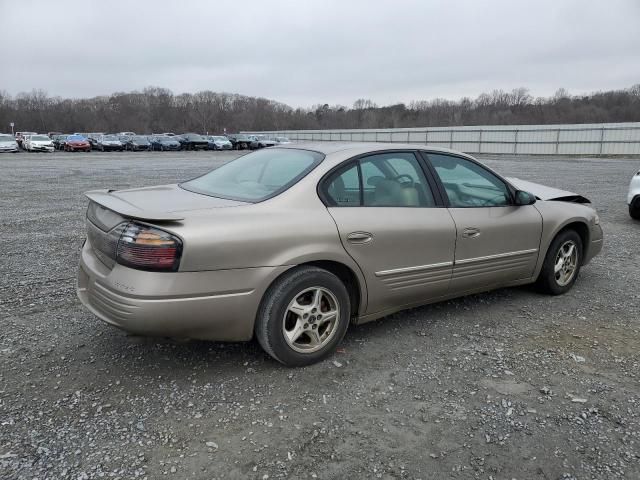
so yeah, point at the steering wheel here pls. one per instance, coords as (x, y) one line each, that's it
(408, 182)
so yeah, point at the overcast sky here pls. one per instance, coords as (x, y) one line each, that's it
(306, 52)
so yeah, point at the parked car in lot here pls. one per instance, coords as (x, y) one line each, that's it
(37, 143)
(293, 245)
(21, 135)
(633, 197)
(264, 141)
(282, 140)
(76, 143)
(126, 134)
(92, 137)
(162, 143)
(8, 143)
(193, 141)
(58, 141)
(108, 143)
(135, 143)
(243, 142)
(219, 143)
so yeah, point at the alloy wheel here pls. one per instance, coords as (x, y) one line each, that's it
(566, 263)
(310, 319)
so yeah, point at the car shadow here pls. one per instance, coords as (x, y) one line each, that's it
(176, 358)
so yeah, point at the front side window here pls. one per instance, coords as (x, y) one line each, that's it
(383, 180)
(256, 176)
(468, 184)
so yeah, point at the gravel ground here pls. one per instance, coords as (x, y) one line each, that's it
(508, 384)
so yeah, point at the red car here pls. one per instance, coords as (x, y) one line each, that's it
(76, 143)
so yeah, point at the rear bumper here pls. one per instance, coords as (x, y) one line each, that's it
(211, 305)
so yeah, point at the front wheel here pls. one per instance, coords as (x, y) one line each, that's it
(561, 264)
(303, 316)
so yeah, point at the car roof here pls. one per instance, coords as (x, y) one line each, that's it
(364, 147)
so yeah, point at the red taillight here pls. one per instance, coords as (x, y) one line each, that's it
(148, 248)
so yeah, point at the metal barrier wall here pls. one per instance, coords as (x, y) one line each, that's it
(578, 139)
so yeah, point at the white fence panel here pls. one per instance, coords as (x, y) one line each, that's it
(578, 139)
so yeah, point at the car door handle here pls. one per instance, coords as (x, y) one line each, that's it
(471, 232)
(359, 237)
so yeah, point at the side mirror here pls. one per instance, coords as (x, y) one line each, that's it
(524, 198)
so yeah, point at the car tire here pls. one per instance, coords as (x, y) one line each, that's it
(317, 337)
(634, 208)
(561, 264)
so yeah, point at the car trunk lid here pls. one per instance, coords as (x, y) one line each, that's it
(160, 203)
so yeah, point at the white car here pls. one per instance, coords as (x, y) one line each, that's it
(217, 142)
(633, 198)
(38, 143)
(282, 140)
(8, 143)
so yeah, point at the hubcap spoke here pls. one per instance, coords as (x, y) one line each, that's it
(314, 338)
(329, 317)
(298, 330)
(297, 309)
(570, 251)
(317, 299)
(558, 266)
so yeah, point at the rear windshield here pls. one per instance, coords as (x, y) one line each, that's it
(256, 176)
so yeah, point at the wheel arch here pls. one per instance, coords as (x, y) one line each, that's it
(578, 225)
(354, 283)
(348, 278)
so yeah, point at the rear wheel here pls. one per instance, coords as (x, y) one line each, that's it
(561, 264)
(303, 316)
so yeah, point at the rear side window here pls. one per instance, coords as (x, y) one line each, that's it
(343, 188)
(380, 180)
(256, 176)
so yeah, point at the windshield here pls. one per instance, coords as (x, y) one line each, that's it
(6, 138)
(110, 138)
(40, 137)
(220, 139)
(140, 138)
(256, 176)
(75, 138)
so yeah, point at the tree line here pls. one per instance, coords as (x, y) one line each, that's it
(160, 110)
